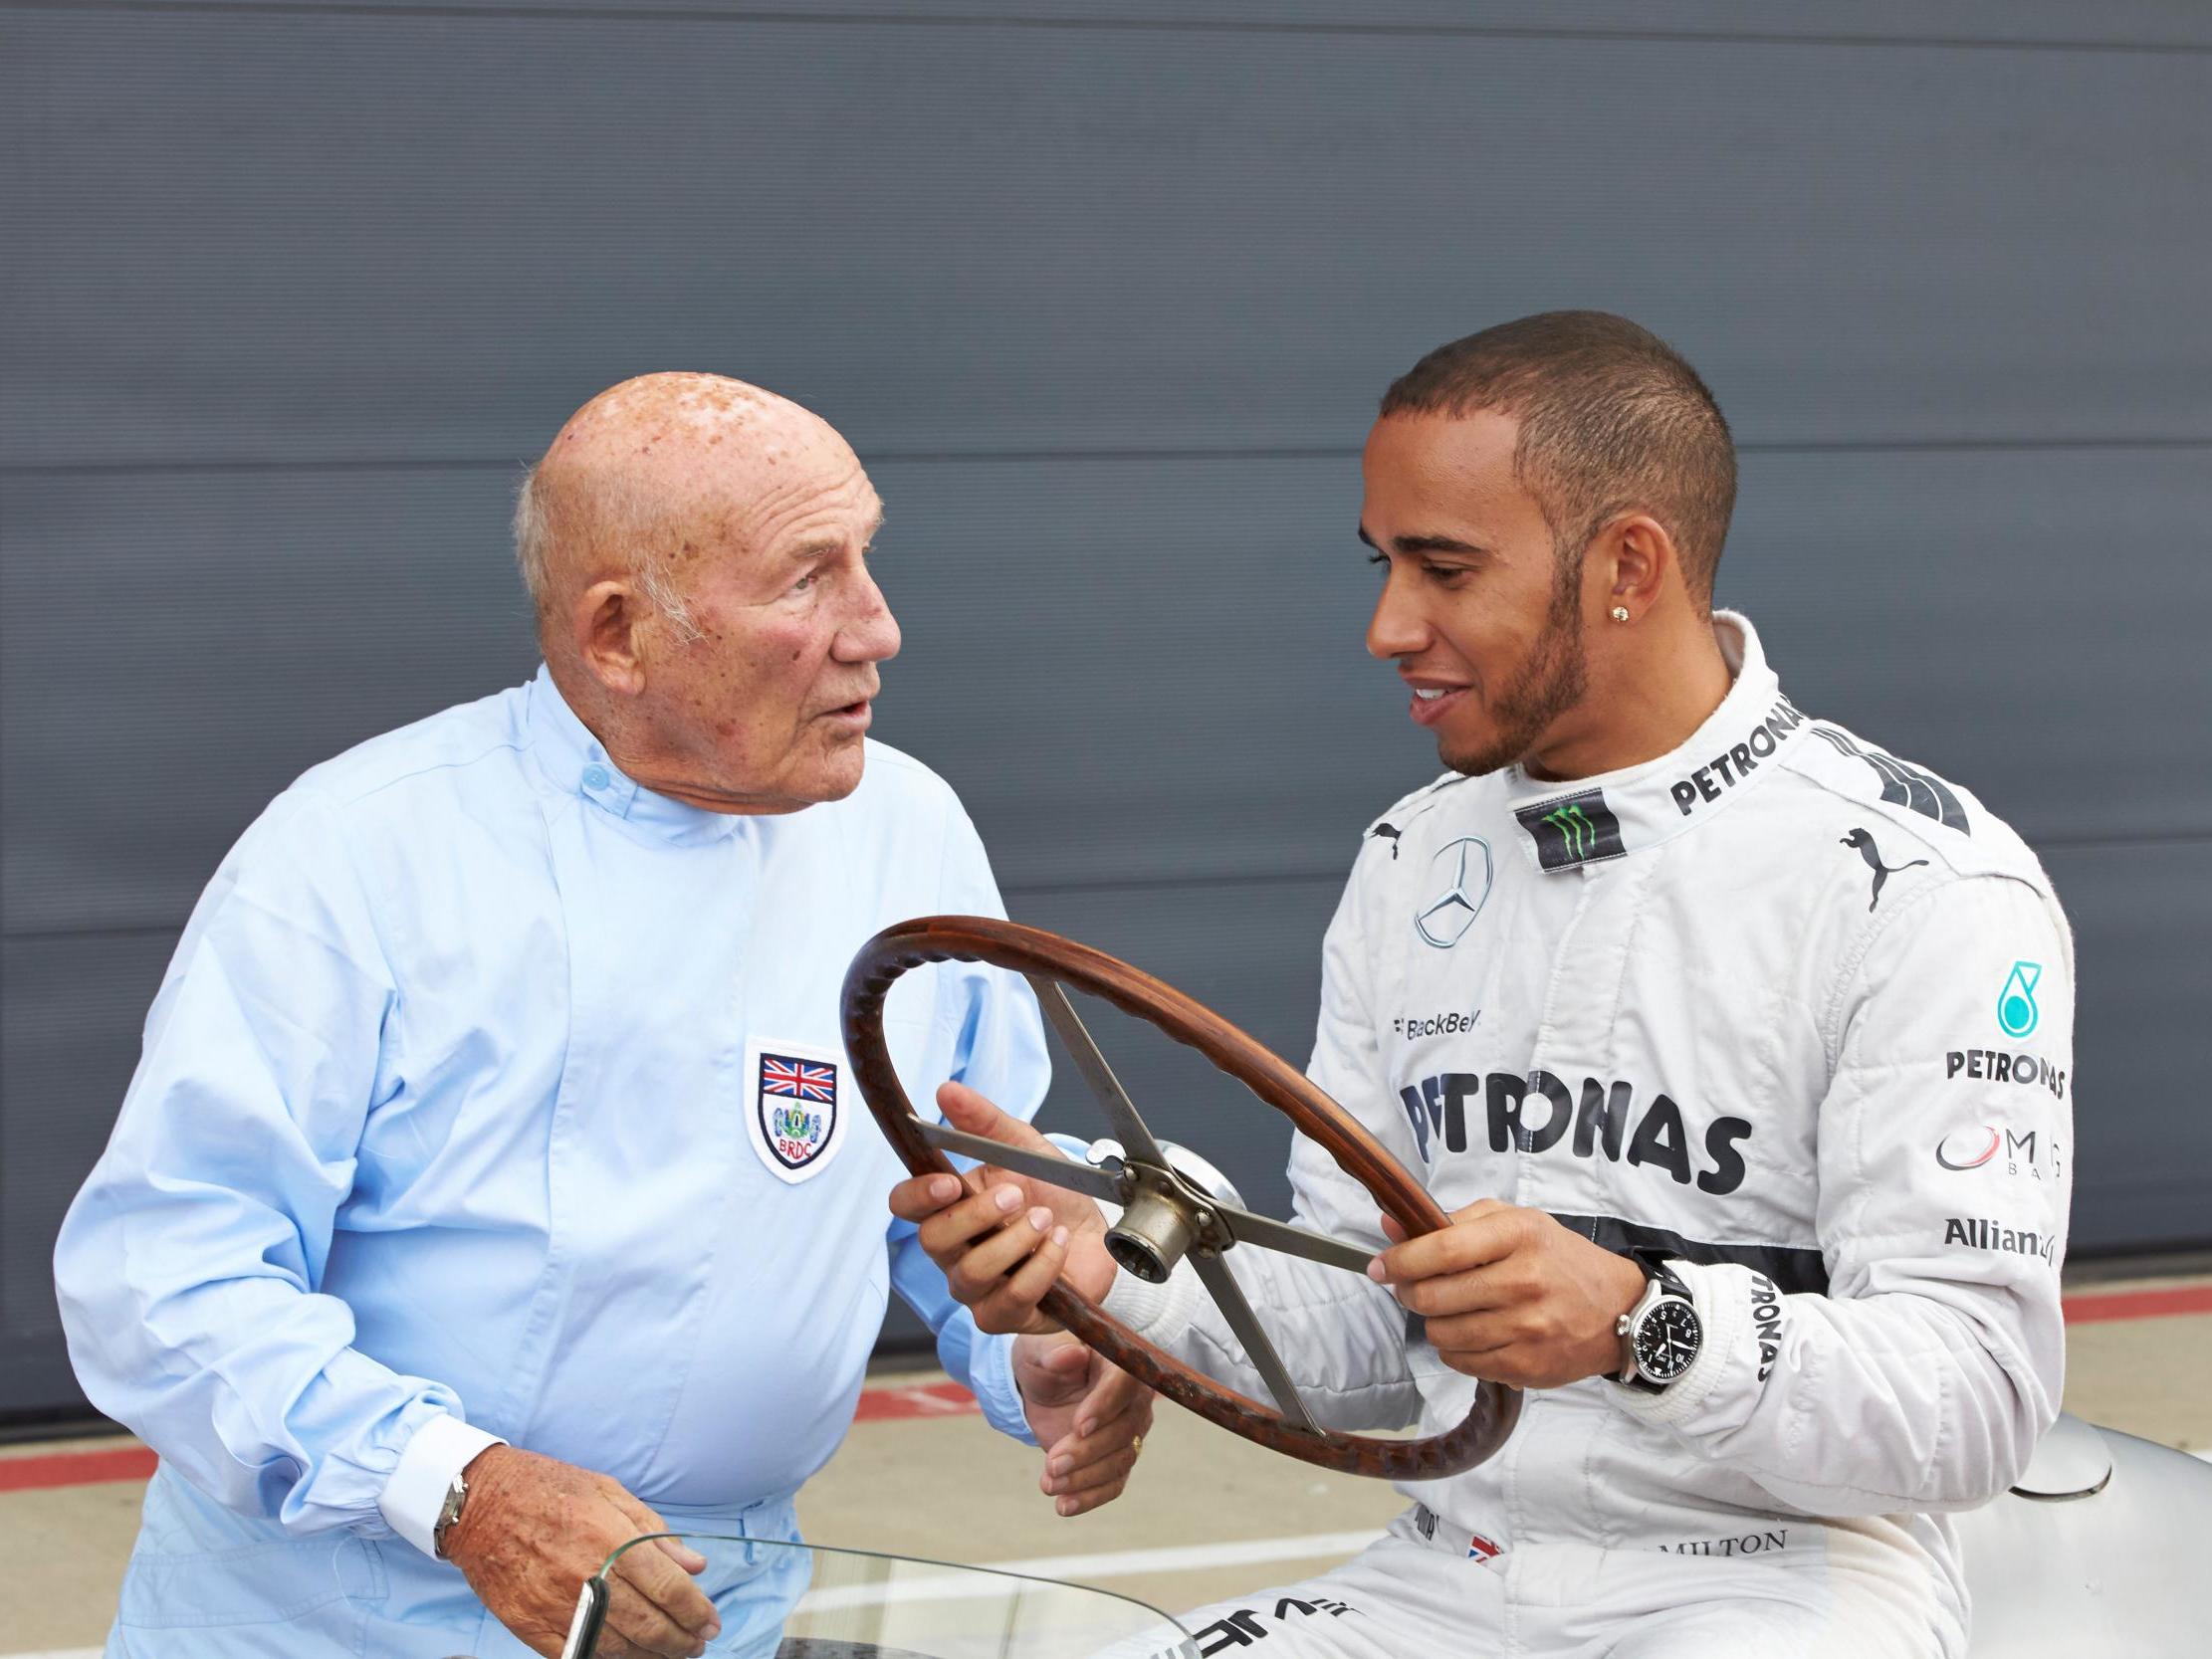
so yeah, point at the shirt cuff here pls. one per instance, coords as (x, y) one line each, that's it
(1722, 1297)
(990, 1380)
(438, 1451)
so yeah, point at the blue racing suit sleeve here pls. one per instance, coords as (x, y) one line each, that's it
(999, 1050)
(188, 1266)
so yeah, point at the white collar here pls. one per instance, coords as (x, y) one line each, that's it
(1589, 820)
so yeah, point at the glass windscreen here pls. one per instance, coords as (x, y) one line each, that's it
(777, 1601)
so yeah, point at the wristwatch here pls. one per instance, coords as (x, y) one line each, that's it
(1662, 1334)
(449, 1512)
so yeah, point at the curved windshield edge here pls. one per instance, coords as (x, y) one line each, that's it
(882, 1555)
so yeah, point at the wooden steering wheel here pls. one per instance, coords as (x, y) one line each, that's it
(1165, 1216)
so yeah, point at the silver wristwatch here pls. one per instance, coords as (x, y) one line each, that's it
(449, 1512)
(1661, 1334)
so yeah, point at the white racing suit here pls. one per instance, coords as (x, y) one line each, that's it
(1797, 1013)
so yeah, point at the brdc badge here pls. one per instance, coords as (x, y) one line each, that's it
(796, 1114)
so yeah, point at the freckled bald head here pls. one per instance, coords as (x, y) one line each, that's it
(660, 471)
(697, 549)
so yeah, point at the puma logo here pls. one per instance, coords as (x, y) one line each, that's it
(1873, 855)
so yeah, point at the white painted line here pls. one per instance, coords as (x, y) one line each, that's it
(1120, 1564)
(1128, 1563)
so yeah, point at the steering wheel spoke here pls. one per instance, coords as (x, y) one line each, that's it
(1228, 1296)
(1269, 1234)
(1135, 1139)
(1092, 1182)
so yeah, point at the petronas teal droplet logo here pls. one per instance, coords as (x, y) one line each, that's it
(2017, 1013)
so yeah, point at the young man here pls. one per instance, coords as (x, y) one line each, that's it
(1736, 1048)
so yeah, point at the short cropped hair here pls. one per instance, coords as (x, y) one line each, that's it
(533, 538)
(1613, 420)
(538, 529)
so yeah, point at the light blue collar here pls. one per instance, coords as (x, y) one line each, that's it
(574, 761)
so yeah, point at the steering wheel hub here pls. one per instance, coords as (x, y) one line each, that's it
(1165, 1216)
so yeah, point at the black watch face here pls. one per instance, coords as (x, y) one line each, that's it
(1666, 1340)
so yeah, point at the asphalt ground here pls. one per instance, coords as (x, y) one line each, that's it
(1208, 1514)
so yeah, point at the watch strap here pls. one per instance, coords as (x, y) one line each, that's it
(456, 1495)
(1659, 1267)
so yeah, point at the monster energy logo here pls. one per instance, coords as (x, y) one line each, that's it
(1574, 831)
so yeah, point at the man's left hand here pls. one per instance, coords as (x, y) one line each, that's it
(1089, 1415)
(1511, 1296)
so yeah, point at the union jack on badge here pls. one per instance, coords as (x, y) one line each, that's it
(796, 1122)
(805, 1080)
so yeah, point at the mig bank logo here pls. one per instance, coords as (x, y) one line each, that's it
(1578, 830)
(1459, 879)
(1969, 1148)
(2017, 1013)
(2034, 1153)
(796, 1118)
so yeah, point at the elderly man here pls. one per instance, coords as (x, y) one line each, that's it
(492, 1187)
(1735, 1048)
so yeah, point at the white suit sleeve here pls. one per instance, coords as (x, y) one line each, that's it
(997, 1040)
(1341, 1335)
(1923, 1377)
(188, 1268)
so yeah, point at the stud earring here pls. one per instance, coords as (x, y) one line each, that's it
(1620, 613)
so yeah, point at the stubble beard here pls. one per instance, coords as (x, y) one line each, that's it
(1550, 682)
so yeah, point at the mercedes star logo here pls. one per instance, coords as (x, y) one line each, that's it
(1463, 867)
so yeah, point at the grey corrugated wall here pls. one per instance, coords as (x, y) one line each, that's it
(1105, 295)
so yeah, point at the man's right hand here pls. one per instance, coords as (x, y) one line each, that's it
(1001, 1238)
(534, 1530)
